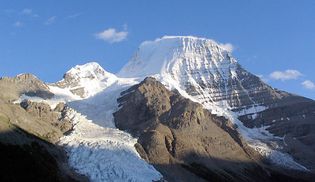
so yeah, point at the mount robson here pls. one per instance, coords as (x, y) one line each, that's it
(181, 110)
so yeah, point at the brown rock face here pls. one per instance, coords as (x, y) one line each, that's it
(55, 117)
(36, 118)
(184, 141)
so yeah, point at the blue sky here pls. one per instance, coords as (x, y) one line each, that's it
(48, 37)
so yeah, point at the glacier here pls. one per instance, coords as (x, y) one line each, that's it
(95, 148)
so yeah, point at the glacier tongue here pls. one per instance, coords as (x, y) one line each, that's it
(99, 150)
(105, 154)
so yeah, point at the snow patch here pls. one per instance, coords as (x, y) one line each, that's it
(252, 110)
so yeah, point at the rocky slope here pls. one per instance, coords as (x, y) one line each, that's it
(37, 118)
(29, 131)
(184, 141)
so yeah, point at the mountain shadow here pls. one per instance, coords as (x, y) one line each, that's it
(26, 157)
(32, 161)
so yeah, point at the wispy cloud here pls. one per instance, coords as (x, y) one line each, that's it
(9, 11)
(29, 12)
(18, 24)
(228, 46)
(72, 16)
(308, 84)
(285, 75)
(111, 35)
(50, 20)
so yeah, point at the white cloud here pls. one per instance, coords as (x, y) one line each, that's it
(308, 84)
(18, 24)
(50, 20)
(285, 75)
(111, 35)
(228, 46)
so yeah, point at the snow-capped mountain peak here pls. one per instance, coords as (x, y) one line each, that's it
(187, 63)
(91, 70)
(201, 67)
(205, 72)
(86, 80)
(176, 53)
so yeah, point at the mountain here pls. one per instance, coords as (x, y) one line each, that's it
(181, 109)
(203, 71)
(185, 142)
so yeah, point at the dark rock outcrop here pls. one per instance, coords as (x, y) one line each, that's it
(293, 119)
(25, 157)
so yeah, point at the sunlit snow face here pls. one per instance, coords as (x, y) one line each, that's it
(173, 54)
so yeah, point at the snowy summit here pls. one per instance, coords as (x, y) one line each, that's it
(86, 80)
